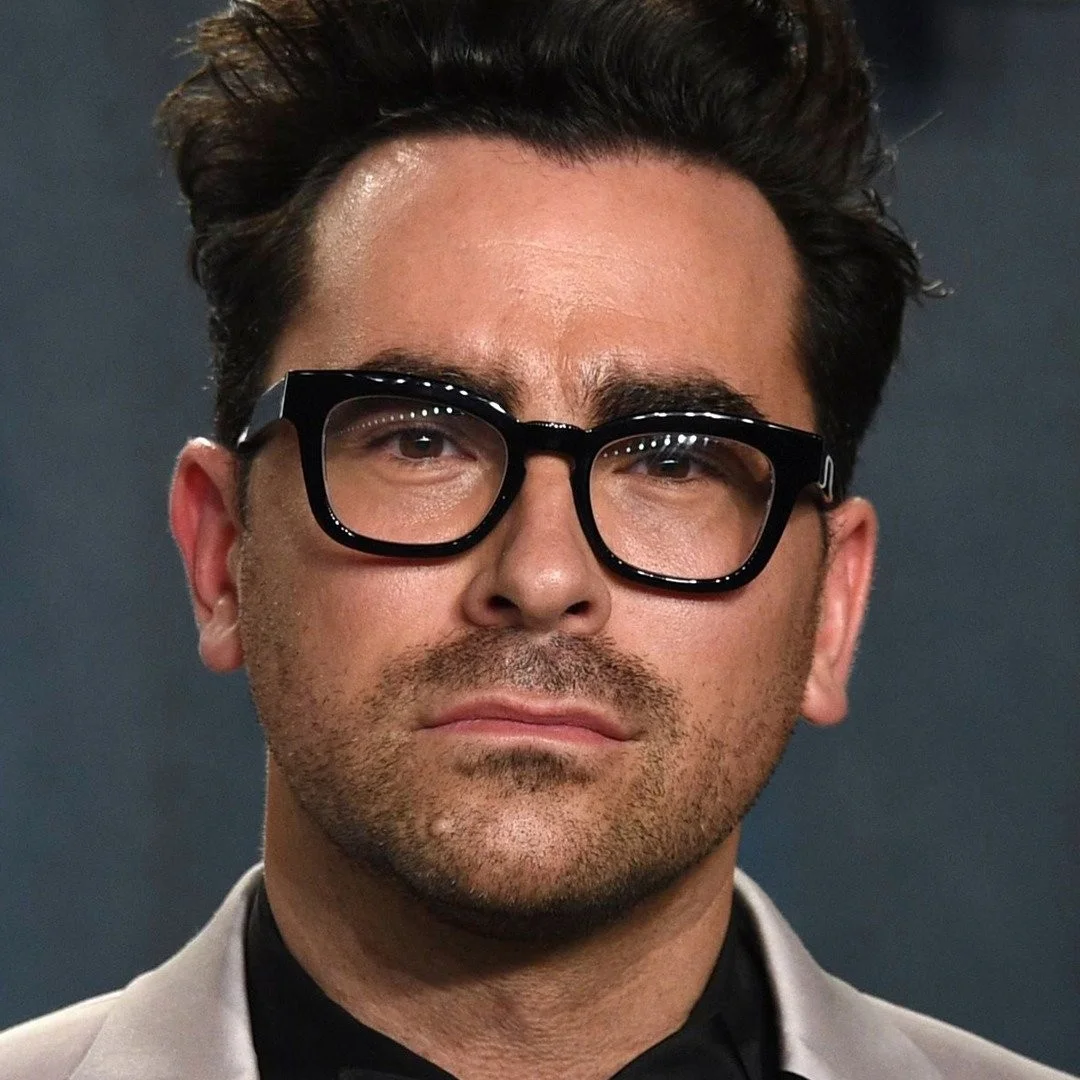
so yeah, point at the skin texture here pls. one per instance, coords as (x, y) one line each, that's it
(497, 903)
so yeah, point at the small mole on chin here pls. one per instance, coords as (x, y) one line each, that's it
(441, 827)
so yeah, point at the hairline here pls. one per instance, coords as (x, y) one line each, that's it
(631, 148)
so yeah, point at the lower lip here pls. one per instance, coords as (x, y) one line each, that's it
(514, 729)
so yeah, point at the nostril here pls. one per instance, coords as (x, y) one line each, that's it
(580, 608)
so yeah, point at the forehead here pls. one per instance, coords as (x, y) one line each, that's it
(555, 278)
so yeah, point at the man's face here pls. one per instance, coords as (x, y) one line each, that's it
(554, 279)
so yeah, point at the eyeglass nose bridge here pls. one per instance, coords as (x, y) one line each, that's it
(548, 437)
(528, 437)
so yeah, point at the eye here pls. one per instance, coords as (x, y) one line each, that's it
(402, 436)
(664, 457)
(666, 464)
(419, 443)
(686, 461)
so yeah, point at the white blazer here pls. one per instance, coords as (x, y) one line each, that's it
(188, 1020)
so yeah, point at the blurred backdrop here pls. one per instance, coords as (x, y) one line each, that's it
(927, 850)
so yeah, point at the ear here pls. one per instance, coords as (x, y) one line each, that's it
(205, 523)
(844, 595)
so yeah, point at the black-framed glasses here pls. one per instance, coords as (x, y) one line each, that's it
(407, 466)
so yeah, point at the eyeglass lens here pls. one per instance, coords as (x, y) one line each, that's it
(681, 504)
(410, 472)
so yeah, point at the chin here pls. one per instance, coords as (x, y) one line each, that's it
(530, 908)
(531, 874)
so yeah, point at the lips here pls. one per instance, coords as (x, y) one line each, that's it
(544, 719)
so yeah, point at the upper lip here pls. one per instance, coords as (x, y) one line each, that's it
(535, 711)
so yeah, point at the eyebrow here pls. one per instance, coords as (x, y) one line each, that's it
(495, 382)
(611, 396)
(616, 395)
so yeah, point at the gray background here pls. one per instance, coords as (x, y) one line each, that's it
(926, 850)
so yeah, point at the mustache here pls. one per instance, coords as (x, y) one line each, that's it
(557, 664)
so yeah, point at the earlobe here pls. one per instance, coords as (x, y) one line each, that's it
(845, 591)
(205, 524)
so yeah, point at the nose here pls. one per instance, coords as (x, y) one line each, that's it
(536, 571)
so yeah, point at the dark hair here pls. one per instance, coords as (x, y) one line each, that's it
(289, 91)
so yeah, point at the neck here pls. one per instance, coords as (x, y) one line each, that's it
(481, 1008)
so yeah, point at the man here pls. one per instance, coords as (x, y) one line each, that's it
(546, 334)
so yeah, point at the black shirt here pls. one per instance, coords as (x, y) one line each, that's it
(300, 1034)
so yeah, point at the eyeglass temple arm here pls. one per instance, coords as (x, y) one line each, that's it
(268, 409)
(828, 478)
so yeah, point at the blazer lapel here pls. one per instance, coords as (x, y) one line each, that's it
(829, 1030)
(187, 1018)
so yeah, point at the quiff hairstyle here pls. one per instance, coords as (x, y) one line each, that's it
(288, 92)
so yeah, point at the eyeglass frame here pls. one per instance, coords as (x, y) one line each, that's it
(306, 398)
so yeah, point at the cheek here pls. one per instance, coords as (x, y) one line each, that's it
(355, 615)
(726, 650)
(709, 649)
(341, 612)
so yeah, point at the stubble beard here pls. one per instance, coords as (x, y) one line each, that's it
(349, 764)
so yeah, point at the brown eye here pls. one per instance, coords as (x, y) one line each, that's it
(421, 444)
(670, 468)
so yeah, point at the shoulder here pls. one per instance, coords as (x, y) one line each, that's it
(51, 1047)
(831, 1030)
(185, 1018)
(957, 1054)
